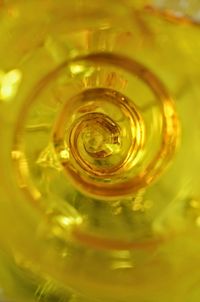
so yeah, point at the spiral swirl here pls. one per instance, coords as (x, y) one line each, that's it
(107, 144)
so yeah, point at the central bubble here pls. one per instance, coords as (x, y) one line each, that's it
(101, 136)
(94, 141)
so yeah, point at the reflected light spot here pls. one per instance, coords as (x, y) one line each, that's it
(68, 221)
(76, 69)
(64, 154)
(9, 83)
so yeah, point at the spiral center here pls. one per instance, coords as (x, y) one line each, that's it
(101, 136)
(103, 142)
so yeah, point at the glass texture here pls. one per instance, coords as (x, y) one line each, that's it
(99, 128)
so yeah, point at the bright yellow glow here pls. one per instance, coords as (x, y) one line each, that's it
(76, 69)
(9, 83)
(195, 204)
(67, 221)
(64, 154)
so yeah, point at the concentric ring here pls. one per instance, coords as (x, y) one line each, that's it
(135, 160)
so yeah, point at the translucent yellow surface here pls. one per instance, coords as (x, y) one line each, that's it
(99, 128)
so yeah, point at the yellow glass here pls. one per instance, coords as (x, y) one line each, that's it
(99, 121)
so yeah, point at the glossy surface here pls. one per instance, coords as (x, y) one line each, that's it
(100, 145)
